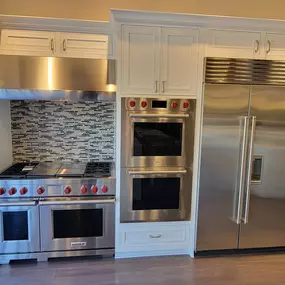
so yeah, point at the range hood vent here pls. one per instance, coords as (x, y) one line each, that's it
(55, 78)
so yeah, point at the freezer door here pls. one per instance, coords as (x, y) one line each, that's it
(265, 226)
(222, 156)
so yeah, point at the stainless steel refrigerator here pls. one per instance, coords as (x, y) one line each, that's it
(242, 174)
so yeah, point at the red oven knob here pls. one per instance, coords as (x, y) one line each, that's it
(174, 105)
(2, 191)
(132, 103)
(143, 104)
(104, 189)
(84, 189)
(41, 190)
(186, 105)
(94, 189)
(23, 190)
(67, 190)
(12, 191)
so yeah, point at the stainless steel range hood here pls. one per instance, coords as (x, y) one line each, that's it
(55, 78)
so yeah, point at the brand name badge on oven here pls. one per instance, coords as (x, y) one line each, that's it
(78, 244)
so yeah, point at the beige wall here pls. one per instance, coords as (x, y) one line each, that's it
(99, 9)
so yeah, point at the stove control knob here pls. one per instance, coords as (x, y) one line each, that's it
(186, 105)
(132, 103)
(174, 105)
(41, 190)
(2, 191)
(12, 191)
(67, 190)
(104, 189)
(84, 189)
(23, 190)
(94, 189)
(143, 104)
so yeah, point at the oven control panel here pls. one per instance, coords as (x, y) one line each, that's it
(160, 105)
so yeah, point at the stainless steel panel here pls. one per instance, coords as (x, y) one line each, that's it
(130, 215)
(265, 227)
(45, 169)
(54, 73)
(32, 244)
(74, 169)
(224, 109)
(49, 243)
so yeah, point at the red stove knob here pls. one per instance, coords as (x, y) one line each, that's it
(2, 191)
(174, 105)
(41, 190)
(84, 189)
(94, 189)
(186, 105)
(12, 191)
(143, 104)
(104, 189)
(23, 190)
(132, 103)
(67, 190)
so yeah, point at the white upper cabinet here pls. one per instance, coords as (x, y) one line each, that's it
(140, 60)
(41, 43)
(233, 43)
(86, 45)
(159, 60)
(275, 46)
(179, 61)
(28, 42)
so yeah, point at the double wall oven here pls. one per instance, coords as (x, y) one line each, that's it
(157, 157)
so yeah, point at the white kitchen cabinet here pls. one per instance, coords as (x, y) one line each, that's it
(86, 45)
(274, 46)
(179, 61)
(38, 43)
(140, 59)
(233, 43)
(159, 61)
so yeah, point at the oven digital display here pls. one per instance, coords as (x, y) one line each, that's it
(159, 104)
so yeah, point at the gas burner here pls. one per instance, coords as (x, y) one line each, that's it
(18, 170)
(98, 169)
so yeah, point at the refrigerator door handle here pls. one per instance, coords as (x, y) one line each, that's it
(238, 203)
(249, 170)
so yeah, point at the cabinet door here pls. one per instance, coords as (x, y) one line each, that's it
(86, 45)
(233, 43)
(37, 43)
(179, 61)
(140, 59)
(275, 46)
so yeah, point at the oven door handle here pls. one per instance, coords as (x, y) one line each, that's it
(18, 204)
(77, 202)
(175, 116)
(147, 172)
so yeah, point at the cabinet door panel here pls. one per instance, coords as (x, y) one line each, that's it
(275, 46)
(28, 42)
(140, 60)
(179, 61)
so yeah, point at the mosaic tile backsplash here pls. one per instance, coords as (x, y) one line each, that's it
(66, 131)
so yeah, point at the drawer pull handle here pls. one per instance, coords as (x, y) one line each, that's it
(157, 236)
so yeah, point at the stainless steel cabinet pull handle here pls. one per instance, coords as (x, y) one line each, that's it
(256, 46)
(156, 82)
(163, 86)
(157, 236)
(64, 45)
(18, 204)
(150, 172)
(77, 202)
(249, 167)
(175, 116)
(268, 47)
(52, 45)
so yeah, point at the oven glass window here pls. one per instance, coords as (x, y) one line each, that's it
(157, 139)
(78, 223)
(15, 225)
(156, 193)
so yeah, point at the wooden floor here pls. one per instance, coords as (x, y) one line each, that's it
(261, 270)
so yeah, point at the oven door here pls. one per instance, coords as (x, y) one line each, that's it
(19, 227)
(77, 224)
(155, 140)
(152, 195)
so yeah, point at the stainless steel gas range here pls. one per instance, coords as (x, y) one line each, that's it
(55, 210)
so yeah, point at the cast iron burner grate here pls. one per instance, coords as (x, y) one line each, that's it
(19, 169)
(98, 169)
